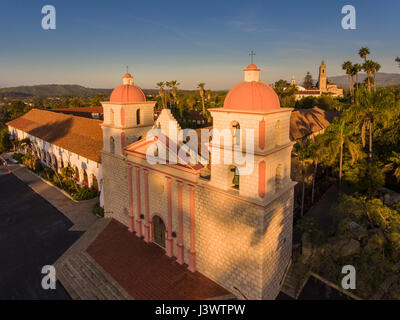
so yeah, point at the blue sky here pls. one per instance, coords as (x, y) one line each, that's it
(190, 41)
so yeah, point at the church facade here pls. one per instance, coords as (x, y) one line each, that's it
(234, 229)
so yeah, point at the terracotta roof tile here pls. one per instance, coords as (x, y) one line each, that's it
(304, 122)
(79, 135)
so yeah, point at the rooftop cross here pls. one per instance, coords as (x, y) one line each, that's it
(127, 69)
(252, 54)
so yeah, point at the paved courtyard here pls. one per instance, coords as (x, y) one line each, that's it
(33, 233)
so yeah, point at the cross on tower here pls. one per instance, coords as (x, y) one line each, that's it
(252, 54)
(127, 69)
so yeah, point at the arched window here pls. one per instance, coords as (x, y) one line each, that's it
(112, 145)
(235, 127)
(85, 180)
(95, 184)
(111, 116)
(278, 133)
(138, 116)
(76, 173)
(278, 178)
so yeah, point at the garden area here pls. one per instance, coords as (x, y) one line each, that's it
(359, 153)
(65, 179)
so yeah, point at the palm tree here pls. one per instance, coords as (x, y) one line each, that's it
(174, 91)
(363, 52)
(168, 84)
(191, 101)
(317, 154)
(302, 150)
(202, 95)
(394, 164)
(375, 70)
(370, 107)
(338, 138)
(161, 92)
(368, 67)
(348, 67)
(398, 60)
(356, 69)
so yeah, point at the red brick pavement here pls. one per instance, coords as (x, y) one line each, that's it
(144, 270)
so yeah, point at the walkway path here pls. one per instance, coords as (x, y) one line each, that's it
(80, 213)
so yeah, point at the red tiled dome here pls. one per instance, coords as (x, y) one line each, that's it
(252, 96)
(127, 75)
(252, 67)
(127, 93)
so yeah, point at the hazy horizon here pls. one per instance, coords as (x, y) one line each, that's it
(188, 42)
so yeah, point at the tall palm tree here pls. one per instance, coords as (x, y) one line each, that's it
(348, 67)
(318, 152)
(338, 138)
(371, 107)
(363, 52)
(202, 95)
(169, 86)
(375, 70)
(161, 92)
(191, 101)
(302, 150)
(356, 69)
(174, 91)
(368, 67)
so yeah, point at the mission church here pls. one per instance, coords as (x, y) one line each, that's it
(235, 230)
(323, 87)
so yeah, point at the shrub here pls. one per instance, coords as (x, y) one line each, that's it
(98, 210)
(5, 143)
(18, 157)
(85, 193)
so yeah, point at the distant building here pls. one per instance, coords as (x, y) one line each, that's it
(323, 86)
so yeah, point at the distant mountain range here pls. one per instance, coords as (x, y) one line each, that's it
(382, 79)
(51, 90)
(58, 90)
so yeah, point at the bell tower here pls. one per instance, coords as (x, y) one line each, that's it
(322, 77)
(127, 116)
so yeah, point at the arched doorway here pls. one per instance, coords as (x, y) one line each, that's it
(158, 231)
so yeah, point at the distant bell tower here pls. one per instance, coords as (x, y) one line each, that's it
(322, 77)
(293, 81)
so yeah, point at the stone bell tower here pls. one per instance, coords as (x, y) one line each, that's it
(260, 200)
(127, 116)
(322, 77)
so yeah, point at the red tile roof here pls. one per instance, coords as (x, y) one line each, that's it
(144, 270)
(79, 135)
(80, 109)
(304, 122)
